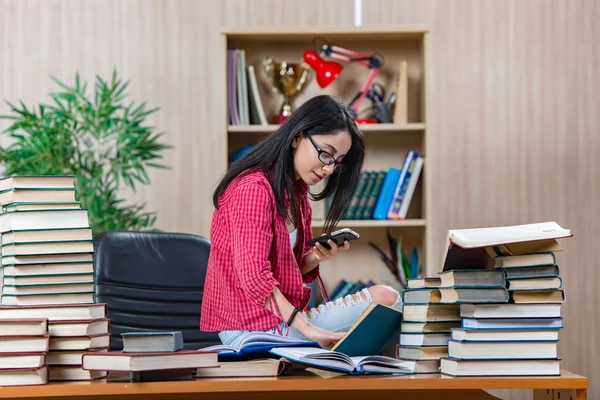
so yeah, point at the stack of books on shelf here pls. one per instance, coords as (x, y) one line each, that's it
(517, 337)
(384, 195)
(151, 356)
(47, 269)
(426, 325)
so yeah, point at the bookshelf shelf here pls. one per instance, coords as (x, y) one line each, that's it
(365, 128)
(373, 223)
(404, 48)
(286, 34)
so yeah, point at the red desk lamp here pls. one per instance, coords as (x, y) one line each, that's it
(328, 71)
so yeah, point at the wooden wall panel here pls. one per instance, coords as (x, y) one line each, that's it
(514, 89)
(515, 86)
(169, 51)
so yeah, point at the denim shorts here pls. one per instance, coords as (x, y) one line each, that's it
(336, 316)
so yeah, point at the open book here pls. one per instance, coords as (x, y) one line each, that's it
(477, 248)
(371, 332)
(336, 361)
(257, 345)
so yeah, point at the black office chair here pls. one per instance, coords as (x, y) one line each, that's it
(152, 281)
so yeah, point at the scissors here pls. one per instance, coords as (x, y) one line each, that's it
(376, 93)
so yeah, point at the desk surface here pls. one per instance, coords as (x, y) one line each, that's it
(300, 383)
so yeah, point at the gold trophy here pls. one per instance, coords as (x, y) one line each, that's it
(288, 79)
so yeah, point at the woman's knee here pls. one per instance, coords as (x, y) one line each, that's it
(383, 295)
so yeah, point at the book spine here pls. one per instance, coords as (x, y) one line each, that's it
(364, 177)
(177, 341)
(362, 202)
(387, 194)
(372, 198)
(410, 190)
(394, 210)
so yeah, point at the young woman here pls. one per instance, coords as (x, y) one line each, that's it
(260, 258)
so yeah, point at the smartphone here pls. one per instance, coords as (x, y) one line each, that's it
(339, 237)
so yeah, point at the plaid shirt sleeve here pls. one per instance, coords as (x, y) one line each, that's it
(251, 242)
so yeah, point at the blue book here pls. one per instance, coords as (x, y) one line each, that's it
(333, 360)
(535, 324)
(152, 342)
(386, 194)
(371, 332)
(257, 345)
(400, 191)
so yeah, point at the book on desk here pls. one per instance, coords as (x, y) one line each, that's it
(337, 361)
(257, 345)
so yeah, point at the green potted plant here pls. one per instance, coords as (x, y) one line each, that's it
(100, 138)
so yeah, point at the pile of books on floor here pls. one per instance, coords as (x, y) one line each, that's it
(517, 335)
(151, 356)
(47, 271)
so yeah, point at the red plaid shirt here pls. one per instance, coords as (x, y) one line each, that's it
(250, 254)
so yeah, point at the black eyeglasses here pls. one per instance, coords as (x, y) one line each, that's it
(326, 158)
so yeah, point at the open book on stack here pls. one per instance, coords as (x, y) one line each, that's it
(519, 337)
(257, 345)
(47, 248)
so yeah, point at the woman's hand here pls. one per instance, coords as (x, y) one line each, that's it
(325, 338)
(322, 254)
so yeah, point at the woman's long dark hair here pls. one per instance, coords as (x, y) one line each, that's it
(321, 115)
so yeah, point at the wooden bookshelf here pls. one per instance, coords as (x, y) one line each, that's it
(387, 144)
(373, 223)
(365, 128)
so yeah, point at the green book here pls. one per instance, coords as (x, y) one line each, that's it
(362, 201)
(371, 332)
(364, 178)
(373, 195)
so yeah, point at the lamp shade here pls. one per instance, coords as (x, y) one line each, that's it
(326, 71)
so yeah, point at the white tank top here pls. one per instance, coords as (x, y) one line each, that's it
(293, 237)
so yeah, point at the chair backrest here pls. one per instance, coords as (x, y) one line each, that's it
(152, 281)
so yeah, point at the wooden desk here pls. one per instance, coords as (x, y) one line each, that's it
(306, 386)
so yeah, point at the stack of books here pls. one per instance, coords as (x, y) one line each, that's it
(47, 248)
(426, 325)
(151, 356)
(70, 338)
(69, 328)
(515, 338)
(47, 269)
(23, 350)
